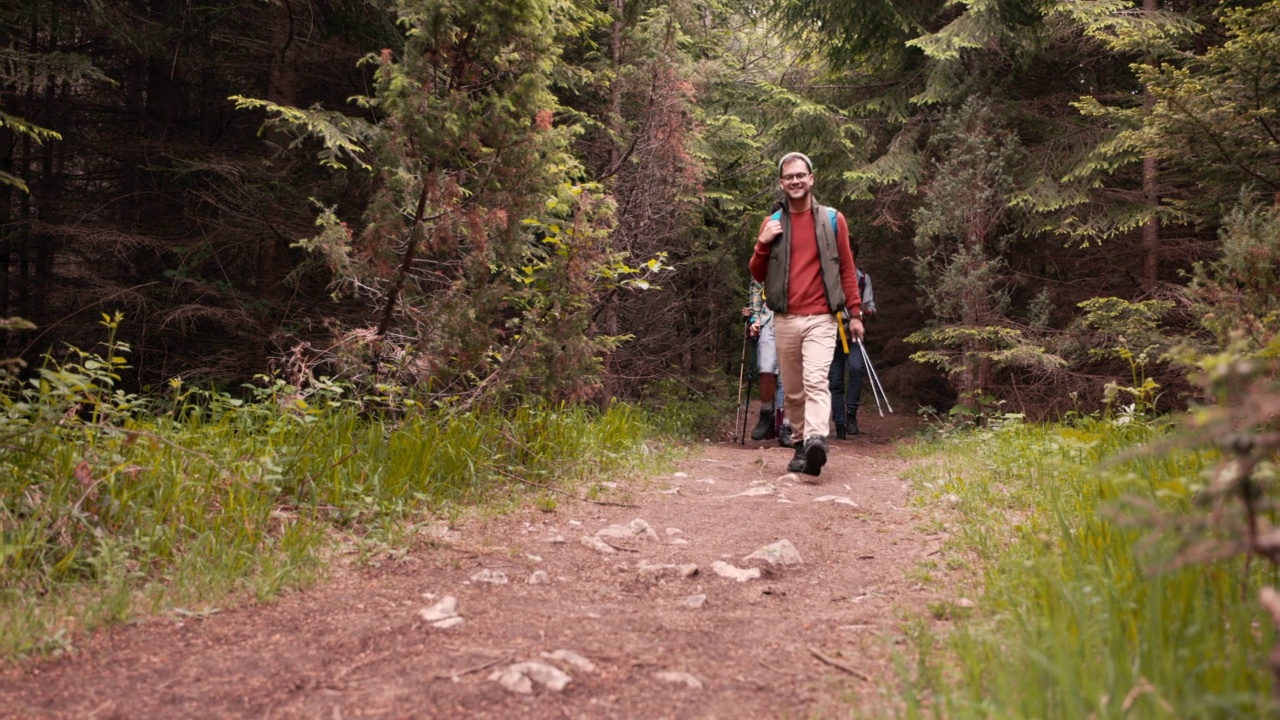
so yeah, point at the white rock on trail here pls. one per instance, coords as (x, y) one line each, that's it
(597, 544)
(759, 491)
(519, 678)
(678, 677)
(654, 572)
(490, 577)
(539, 577)
(443, 614)
(788, 478)
(837, 499)
(635, 529)
(556, 539)
(572, 659)
(725, 570)
(780, 553)
(680, 475)
(694, 602)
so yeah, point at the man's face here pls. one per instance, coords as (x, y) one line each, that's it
(796, 180)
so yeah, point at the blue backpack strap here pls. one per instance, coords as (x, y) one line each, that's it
(831, 215)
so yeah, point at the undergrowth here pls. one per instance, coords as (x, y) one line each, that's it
(114, 504)
(1087, 607)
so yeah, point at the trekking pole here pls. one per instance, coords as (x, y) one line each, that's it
(866, 363)
(875, 379)
(742, 371)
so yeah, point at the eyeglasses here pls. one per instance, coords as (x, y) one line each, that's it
(794, 177)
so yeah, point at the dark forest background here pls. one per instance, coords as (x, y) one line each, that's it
(555, 199)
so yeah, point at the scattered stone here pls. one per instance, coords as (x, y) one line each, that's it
(759, 491)
(576, 523)
(680, 475)
(539, 577)
(756, 483)
(725, 570)
(608, 484)
(679, 541)
(672, 491)
(788, 478)
(695, 602)
(674, 531)
(443, 614)
(951, 499)
(653, 572)
(597, 544)
(678, 677)
(556, 540)
(780, 553)
(572, 659)
(519, 678)
(635, 529)
(490, 577)
(706, 481)
(440, 531)
(965, 603)
(533, 558)
(837, 499)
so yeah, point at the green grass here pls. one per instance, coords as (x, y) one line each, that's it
(1080, 612)
(114, 505)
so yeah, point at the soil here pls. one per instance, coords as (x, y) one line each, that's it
(814, 640)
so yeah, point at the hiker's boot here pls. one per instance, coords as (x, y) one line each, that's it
(815, 455)
(840, 431)
(797, 463)
(785, 438)
(852, 425)
(764, 427)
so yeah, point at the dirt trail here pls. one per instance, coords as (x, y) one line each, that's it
(357, 646)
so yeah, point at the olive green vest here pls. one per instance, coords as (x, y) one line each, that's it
(778, 279)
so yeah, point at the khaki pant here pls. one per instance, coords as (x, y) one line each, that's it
(806, 344)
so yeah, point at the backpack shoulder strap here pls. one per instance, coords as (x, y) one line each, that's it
(831, 215)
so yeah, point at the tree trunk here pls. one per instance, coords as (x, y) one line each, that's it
(1150, 175)
(273, 264)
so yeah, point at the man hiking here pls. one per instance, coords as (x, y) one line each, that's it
(803, 258)
(845, 400)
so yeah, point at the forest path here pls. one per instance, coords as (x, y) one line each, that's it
(358, 645)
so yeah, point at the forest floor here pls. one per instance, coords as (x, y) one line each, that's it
(811, 640)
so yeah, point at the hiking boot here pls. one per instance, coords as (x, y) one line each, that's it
(763, 428)
(815, 455)
(840, 431)
(784, 436)
(797, 463)
(853, 422)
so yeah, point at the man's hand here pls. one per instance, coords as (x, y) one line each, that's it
(856, 331)
(754, 330)
(771, 230)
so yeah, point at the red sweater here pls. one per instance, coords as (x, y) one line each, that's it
(804, 289)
